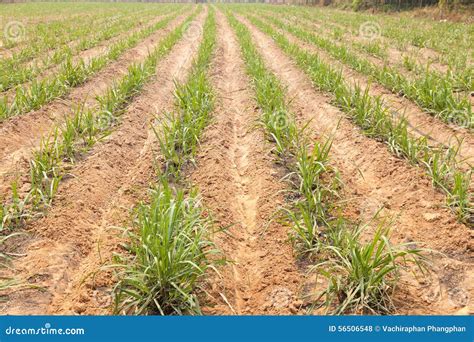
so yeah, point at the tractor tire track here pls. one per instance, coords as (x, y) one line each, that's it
(240, 184)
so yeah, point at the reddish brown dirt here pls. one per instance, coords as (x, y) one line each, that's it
(420, 122)
(240, 184)
(374, 179)
(64, 262)
(20, 135)
(69, 246)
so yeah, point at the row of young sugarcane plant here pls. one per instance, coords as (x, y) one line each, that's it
(71, 75)
(440, 162)
(14, 70)
(361, 275)
(454, 50)
(41, 36)
(16, 73)
(78, 134)
(34, 38)
(459, 78)
(169, 250)
(443, 37)
(432, 92)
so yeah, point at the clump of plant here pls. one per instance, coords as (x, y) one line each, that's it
(169, 253)
(362, 275)
(169, 249)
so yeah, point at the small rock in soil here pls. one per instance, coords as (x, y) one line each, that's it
(431, 217)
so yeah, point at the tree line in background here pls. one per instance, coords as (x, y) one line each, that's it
(399, 4)
(354, 4)
(366, 4)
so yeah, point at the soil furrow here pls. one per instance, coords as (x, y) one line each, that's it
(20, 135)
(240, 184)
(374, 179)
(420, 122)
(77, 236)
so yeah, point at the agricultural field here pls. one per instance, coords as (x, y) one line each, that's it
(234, 159)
